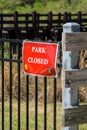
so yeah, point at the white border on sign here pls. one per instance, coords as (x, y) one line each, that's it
(41, 42)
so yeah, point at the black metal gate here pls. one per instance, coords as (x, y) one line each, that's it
(19, 93)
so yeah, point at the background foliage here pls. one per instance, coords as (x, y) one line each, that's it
(43, 6)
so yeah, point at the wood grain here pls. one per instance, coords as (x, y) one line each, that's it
(75, 78)
(76, 41)
(75, 115)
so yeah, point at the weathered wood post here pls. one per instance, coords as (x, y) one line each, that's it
(69, 61)
(1, 25)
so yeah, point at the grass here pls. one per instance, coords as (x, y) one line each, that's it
(32, 104)
(32, 116)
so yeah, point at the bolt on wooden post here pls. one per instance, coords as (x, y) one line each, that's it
(69, 61)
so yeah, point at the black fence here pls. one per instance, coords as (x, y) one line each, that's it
(36, 25)
(18, 90)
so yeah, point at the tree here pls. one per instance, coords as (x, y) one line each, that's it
(9, 5)
(31, 2)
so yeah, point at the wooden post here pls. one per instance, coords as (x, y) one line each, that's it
(34, 20)
(65, 17)
(26, 20)
(1, 25)
(69, 61)
(16, 24)
(79, 18)
(59, 19)
(50, 19)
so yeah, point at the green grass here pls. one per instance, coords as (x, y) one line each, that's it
(32, 116)
(83, 127)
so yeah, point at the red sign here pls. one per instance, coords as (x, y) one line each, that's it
(39, 58)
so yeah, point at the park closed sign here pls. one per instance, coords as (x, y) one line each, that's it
(39, 58)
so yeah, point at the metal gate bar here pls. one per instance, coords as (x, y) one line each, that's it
(27, 102)
(36, 103)
(2, 64)
(45, 103)
(19, 87)
(54, 103)
(10, 96)
(18, 61)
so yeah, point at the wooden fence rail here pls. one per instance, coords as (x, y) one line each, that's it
(38, 24)
(36, 20)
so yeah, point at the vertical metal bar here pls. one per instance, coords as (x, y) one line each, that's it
(54, 103)
(27, 102)
(45, 103)
(10, 87)
(2, 46)
(18, 86)
(36, 103)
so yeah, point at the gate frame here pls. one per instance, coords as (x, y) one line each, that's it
(73, 77)
(69, 95)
